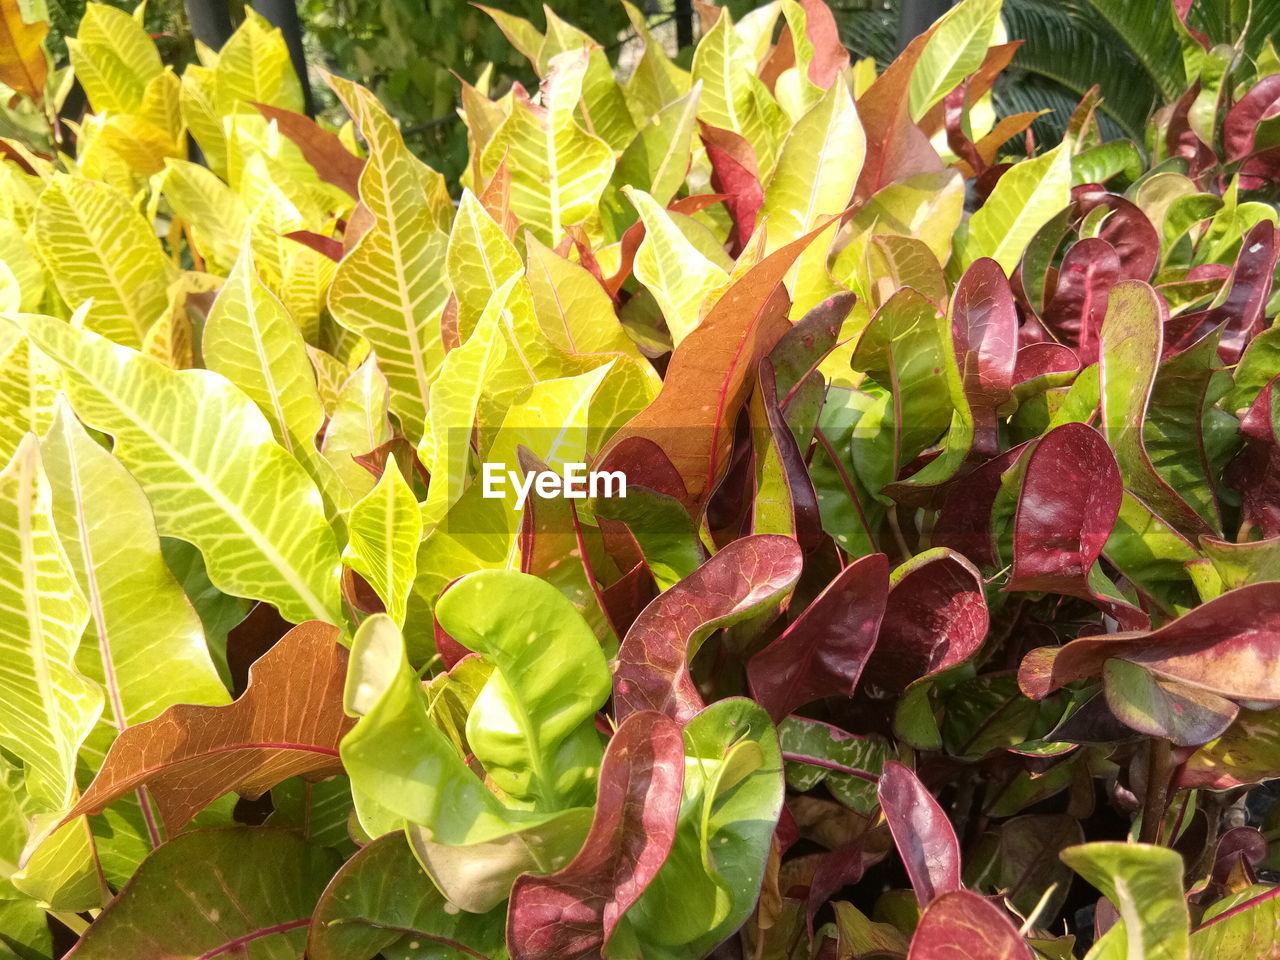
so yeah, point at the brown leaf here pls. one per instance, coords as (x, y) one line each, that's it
(288, 723)
(332, 161)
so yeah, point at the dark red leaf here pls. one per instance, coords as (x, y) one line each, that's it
(822, 653)
(775, 439)
(1126, 228)
(924, 835)
(801, 388)
(1240, 129)
(935, 617)
(1079, 304)
(1070, 498)
(318, 242)
(1256, 470)
(965, 522)
(571, 914)
(652, 671)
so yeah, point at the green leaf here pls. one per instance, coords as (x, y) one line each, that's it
(671, 267)
(251, 340)
(657, 160)
(405, 770)
(213, 892)
(384, 530)
(572, 308)
(391, 287)
(1144, 883)
(97, 247)
(956, 47)
(47, 707)
(382, 902)
(206, 459)
(532, 725)
(1245, 924)
(732, 797)
(1024, 200)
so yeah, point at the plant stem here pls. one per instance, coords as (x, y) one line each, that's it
(1156, 800)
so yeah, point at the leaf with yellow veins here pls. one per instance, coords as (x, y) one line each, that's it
(98, 247)
(558, 170)
(671, 267)
(254, 67)
(480, 259)
(384, 530)
(207, 460)
(47, 707)
(391, 288)
(358, 424)
(251, 340)
(114, 59)
(28, 385)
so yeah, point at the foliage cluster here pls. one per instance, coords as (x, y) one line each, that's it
(944, 600)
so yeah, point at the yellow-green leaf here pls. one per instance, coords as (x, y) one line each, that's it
(27, 389)
(672, 268)
(251, 340)
(47, 707)
(391, 288)
(558, 170)
(384, 530)
(480, 259)
(1024, 200)
(98, 247)
(358, 425)
(955, 49)
(208, 463)
(114, 59)
(150, 651)
(254, 67)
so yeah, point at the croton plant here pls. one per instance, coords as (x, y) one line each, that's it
(940, 619)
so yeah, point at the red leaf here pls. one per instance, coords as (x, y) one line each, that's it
(1240, 129)
(935, 617)
(822, 653)
(829, 55)
(734, 173)
(964, 524)
(1230, 645)
(1126, 228)
(896, 147)
(572, 913)
(288, 723)
(332, 161)
(964, 926)
(925, 838)
(318, 242)
(984, 328)
(774, 435)
(1079, 304)
(652, 671)
(1256, 471)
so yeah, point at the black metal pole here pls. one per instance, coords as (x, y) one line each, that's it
(210, 21)
(916, 16)
(684, 23)
(284, 14)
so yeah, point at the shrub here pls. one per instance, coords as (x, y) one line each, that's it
(947, 568)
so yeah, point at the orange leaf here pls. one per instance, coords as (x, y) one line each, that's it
(23, 65)
(288, 723)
